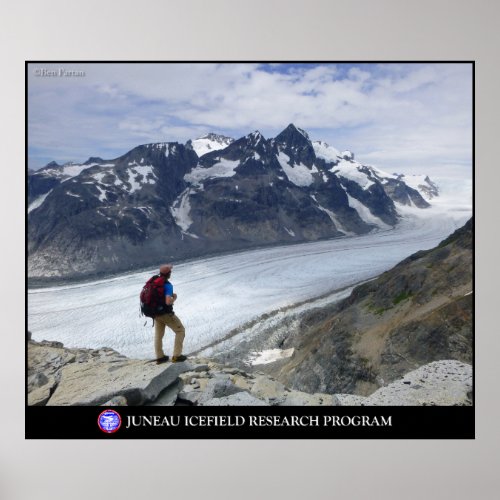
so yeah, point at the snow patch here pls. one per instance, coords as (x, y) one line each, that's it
(180, 210)
(333, 218)
(326, 152)
(225, 168)
(269, 356)
(102, 193)
(210, 142)
(99, 177)
(300, 175)
(365, 214)
(146, 210)
(421, 183)
(147, 173)
(37, 202)
(352, 171)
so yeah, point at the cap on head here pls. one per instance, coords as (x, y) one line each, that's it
(166, 269)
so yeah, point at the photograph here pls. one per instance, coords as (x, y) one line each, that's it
(250, 249)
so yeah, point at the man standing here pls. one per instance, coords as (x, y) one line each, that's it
(168, 319)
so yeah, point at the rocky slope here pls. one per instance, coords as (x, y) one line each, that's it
(174, 201)
(58, 376)
(418, 312)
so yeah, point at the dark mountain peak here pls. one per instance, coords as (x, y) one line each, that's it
(295, 143)
(217, 138)
(255, 135)
(293, 135)
(94, 159)
(247, 146)
(255, 138)
(52, 164)
(155, 149)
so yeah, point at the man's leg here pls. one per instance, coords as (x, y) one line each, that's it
(159, 332)
(173, 322)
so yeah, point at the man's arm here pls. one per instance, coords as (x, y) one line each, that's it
(170, 296)
(170, 299)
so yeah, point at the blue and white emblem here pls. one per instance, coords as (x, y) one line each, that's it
(109, 421)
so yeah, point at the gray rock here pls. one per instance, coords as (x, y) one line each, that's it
(40, 389)
(298, 398)
(168, 396)
(218, 387)
(350, 399)
(201, 368)
(192, 397)
(37, 380)
(92, 383)
(233, 371)
(268, 389)
(239, 399)
(39, 396)
(117, 401)
(441, 383)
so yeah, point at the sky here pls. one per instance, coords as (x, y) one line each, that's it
(411, 118)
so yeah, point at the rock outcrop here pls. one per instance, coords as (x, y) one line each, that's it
(419, 312)
(58, 376)
(441, 383)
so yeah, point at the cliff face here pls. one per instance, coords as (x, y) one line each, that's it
(416, 313)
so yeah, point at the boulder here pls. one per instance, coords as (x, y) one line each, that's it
(39, 395)
(218, 387)
(96, 382)
(168, 396)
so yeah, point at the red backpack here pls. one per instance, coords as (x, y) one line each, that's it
(152, 297)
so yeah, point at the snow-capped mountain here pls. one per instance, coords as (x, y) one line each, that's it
(210, 142)
(169, 201)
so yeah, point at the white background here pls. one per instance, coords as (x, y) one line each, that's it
(249, 30)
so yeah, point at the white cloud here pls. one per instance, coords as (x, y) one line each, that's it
(388, 112)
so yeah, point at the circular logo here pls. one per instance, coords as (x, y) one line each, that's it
(109, 421)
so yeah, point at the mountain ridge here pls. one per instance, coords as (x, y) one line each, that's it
(162, 201)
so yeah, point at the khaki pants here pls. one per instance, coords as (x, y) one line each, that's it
(174, 323)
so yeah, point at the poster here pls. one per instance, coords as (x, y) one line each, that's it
(318, 219)
(326, 31)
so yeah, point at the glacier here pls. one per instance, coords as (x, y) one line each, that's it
(220, 294)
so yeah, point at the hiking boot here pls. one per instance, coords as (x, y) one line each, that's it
(164, 359)
(179, 359)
